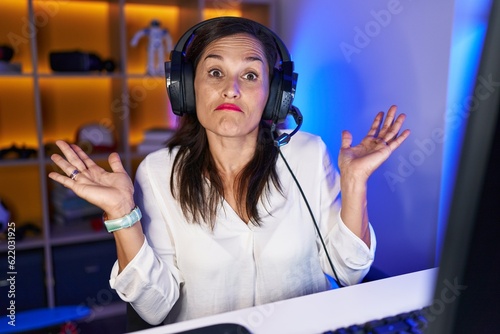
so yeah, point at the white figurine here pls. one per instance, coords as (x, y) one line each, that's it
(156, 47)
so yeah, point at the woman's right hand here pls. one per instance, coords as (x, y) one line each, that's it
(110, 191)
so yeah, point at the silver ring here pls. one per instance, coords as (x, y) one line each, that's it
(74, 174)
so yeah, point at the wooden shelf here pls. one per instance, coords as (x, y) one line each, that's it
(25, 244)
(66, 235)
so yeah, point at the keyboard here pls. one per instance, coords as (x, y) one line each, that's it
(414, 322)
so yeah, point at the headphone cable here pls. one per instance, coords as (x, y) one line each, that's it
(313, 219)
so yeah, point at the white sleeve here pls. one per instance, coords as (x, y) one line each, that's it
(350, 256)
(151, 281)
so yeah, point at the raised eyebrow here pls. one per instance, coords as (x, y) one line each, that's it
(213, 56)
(254, 58)
(249, 58)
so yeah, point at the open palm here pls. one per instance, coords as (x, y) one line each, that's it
(111, 191)
(382, 139)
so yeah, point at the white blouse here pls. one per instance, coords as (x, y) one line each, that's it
(185, 271)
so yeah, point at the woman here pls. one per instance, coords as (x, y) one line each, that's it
(224, 224)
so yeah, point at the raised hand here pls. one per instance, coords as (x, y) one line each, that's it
(112, 192)
(359, 162)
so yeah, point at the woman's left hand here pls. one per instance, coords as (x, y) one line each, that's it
(359, 162)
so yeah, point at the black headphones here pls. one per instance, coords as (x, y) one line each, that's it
(179, 74)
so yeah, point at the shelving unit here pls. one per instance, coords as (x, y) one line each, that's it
(39, 106)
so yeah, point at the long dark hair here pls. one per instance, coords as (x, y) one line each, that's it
(195, 181)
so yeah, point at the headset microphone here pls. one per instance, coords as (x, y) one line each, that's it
(284, 138)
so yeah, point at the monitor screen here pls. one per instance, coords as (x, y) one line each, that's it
(467, 286)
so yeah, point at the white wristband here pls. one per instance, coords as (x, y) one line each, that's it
(124, 222)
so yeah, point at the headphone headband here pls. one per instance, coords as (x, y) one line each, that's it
(179, 74)
(186, 37)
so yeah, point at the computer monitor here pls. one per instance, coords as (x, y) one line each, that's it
(467, 286)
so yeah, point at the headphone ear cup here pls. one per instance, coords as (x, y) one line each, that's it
(189, 98)
(287, 94)
(174, 81)
(271, 107)
(287, 90)
(281, 93)
(180, 84)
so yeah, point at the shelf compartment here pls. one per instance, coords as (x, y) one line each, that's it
(218, 9)
(149, 107)
(21, 193)
(68, 103)
(30, 281)
(86, 266)
(86, 26)
(15, 32)
(17, 113)
(139, 17)
(254, 10)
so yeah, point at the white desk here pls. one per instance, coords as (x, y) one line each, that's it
(327, 310)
